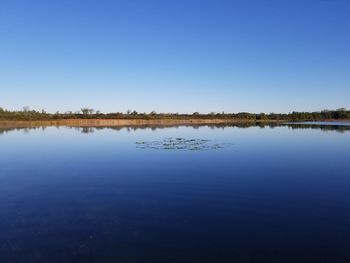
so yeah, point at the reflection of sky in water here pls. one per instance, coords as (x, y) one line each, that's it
(277, 193)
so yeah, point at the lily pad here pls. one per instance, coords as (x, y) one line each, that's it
(182, 144)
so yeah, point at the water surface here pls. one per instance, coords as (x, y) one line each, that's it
(269, 194)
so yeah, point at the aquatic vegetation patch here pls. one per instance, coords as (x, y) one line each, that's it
(182, 144)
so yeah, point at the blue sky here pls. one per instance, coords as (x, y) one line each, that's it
(175, 55)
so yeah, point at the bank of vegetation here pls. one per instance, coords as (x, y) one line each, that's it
(27, 114)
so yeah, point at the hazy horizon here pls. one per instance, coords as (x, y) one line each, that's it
(175, 56)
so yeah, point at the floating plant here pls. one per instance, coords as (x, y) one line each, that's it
(182, 144)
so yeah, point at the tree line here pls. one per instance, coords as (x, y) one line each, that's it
(87, 113)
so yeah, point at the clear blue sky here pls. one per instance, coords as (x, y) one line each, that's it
(175, 55)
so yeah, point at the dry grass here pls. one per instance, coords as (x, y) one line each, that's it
(116, 122)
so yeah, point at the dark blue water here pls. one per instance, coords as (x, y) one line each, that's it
(92, 195)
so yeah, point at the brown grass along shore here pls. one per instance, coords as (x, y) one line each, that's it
(119, 122)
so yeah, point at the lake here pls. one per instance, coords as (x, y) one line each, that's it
(175, 194)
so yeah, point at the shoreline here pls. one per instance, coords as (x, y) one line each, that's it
(142, 122)
(123, 122)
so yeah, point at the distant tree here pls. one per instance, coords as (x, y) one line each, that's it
(128, 112)
(261, 116)
(85, 111)
(341, 113)
(326, 114)
(26, 108)
(341, 109)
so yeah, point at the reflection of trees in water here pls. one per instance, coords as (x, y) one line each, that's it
(87, 130)
(133, 128)
(4, 130)
(328, 127)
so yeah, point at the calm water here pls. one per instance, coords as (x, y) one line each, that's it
(277, 194)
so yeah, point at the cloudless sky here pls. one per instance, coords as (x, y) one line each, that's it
(175, 55)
